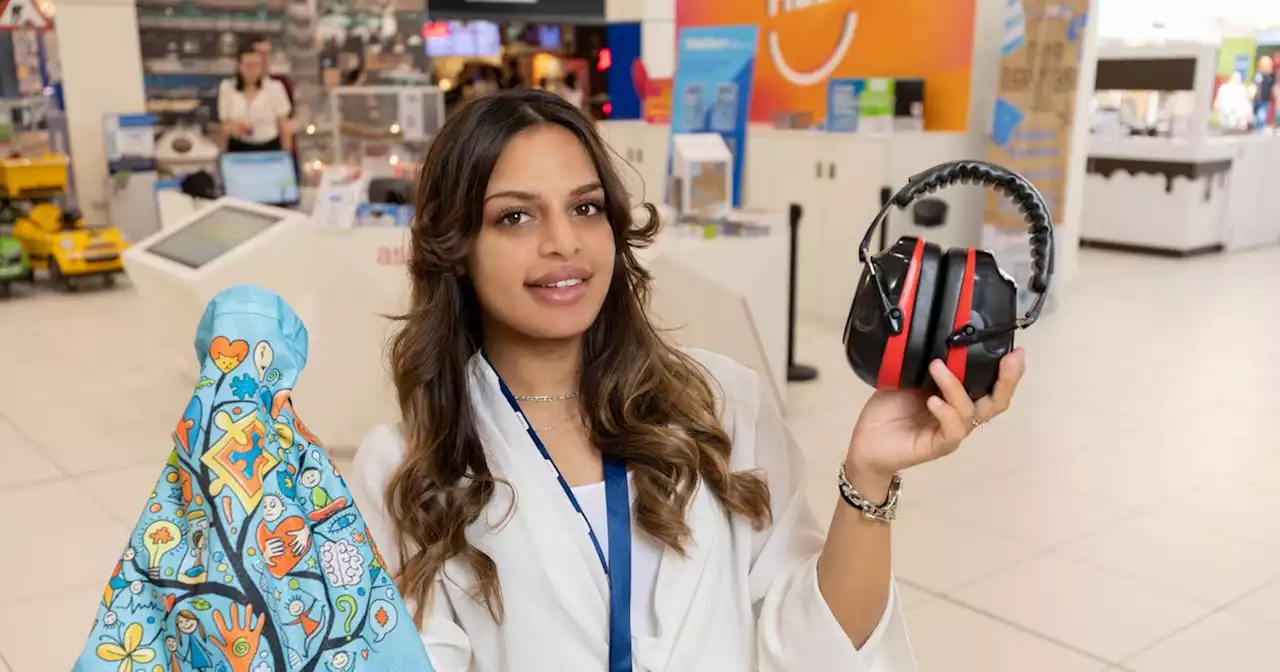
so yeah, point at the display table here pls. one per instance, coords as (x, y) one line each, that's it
(341, 283)
(1180, 197)
(727, 295)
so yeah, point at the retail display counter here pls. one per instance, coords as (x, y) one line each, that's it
(728, 295)
(179, 269)
(1180, 197)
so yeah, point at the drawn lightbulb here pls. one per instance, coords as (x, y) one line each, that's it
(262, 356)
(159, 538)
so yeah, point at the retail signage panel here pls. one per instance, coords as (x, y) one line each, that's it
(626, 91)
(1034, 119)
(657, 100)
(1036, 102)
(712, 88)
(462, 38)
(804, 45)
(565, 11)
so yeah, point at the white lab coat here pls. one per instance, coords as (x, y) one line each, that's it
(740, 601)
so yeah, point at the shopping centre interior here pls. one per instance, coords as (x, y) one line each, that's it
(1123, 514)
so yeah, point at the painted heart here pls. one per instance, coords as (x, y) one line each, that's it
(169, 601)
(228, 354)
(281, 565)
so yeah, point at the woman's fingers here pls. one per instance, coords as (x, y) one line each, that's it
(952, 428)
(1012, 367)
(953, 391)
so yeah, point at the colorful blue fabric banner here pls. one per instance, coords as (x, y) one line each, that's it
(250, 555)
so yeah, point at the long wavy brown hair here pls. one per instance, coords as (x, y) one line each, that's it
(643, 400)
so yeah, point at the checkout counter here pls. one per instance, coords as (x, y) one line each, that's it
(727, 294)
(1160, 177)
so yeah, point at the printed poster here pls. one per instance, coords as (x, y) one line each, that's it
(657, 100)
(712, 89)
(805, 44)
(1034, 118)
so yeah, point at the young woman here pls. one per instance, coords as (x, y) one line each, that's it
(254, 107)
(535, 393)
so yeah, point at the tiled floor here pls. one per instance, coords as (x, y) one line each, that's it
(1125, 515)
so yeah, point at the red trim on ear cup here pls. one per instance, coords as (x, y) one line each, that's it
(895, 349)
(958, 356)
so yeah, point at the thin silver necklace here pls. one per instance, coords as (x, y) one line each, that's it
(548, 398)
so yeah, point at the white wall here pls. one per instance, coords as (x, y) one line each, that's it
(1203, 20)
(658, 38)
(101, 73)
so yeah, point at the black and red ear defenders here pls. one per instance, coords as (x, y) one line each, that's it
(916, 302)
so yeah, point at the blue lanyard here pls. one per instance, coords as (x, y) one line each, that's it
(618, 514)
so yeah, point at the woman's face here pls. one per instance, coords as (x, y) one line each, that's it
(186, 624)
(544, 258)
(250, 66)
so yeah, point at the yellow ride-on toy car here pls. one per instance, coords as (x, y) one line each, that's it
(55, 237)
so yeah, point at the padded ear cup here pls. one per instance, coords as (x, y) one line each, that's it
(955, 307)
(974, 292)
(919, 334)
(909, 271)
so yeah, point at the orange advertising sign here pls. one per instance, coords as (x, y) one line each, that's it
(803, 44)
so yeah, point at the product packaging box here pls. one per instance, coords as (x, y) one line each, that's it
(908, 106)
(843, 104)
(876, 106)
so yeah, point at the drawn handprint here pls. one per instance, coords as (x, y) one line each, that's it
(239, 642)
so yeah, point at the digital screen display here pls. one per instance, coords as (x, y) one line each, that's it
(549, 37)
(211, 236)
(462, 38)
(260, 177)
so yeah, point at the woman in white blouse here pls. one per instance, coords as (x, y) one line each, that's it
(568, 491)
(254, 108)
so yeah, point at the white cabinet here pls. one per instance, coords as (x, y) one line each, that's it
(640, 156)
(856, 172)
(836, 180)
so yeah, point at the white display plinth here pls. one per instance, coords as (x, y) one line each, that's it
(727, 295)
(178, 270)
(341, 283)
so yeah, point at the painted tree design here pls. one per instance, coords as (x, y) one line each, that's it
(234, 476)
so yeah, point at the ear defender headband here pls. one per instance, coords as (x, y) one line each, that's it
(916, 302)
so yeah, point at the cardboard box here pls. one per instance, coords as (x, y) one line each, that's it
(908, 104)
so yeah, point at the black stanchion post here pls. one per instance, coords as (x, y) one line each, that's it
(795, 372)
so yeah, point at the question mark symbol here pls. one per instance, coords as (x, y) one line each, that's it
(347, 603)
